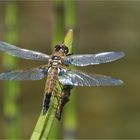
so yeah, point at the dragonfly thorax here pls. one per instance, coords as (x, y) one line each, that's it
(55, 61)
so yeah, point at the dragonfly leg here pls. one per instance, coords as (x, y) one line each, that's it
(64, 99)
(46, 103)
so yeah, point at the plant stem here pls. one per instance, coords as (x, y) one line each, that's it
(45, 122)
(12, 89)
(58, 22)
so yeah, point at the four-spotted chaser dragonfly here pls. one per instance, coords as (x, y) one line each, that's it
(57, 69)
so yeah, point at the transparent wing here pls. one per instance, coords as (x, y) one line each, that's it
(22, 53)
(77, 78)
(33, 74)
(93, 59)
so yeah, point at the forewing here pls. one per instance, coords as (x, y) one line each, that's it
(22, 53)
(93, 59)
(33, 74)
(77, 78)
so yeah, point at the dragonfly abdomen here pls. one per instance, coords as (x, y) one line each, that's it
(49, 87)
(51, 80)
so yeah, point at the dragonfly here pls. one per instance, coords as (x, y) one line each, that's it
(57, 69)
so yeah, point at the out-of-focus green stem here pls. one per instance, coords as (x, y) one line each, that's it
(70, 14)
(70, 117)
(58, 22)
(12, 89)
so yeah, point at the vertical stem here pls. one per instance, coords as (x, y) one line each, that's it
(70, 14)
(45, 124)
(70, 118)
(12, 89)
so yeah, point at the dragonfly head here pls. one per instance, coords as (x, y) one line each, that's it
(62, 48)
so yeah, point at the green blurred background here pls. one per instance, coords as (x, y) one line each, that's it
(103, 112)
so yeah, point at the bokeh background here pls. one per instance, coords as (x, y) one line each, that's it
(103, 112)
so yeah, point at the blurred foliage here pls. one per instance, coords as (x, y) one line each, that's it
(11, 88)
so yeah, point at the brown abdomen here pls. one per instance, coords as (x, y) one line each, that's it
(49, 87)
(51, 80)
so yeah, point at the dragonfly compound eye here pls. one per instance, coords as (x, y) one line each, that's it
(65, 49)
(57, 47)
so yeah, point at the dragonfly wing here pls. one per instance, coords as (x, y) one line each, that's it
(33, 74)
(77, 78)
(93, 59)
(22, 53)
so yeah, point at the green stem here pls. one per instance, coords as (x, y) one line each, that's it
(12, 89)
(45, 122)
(58, 22)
